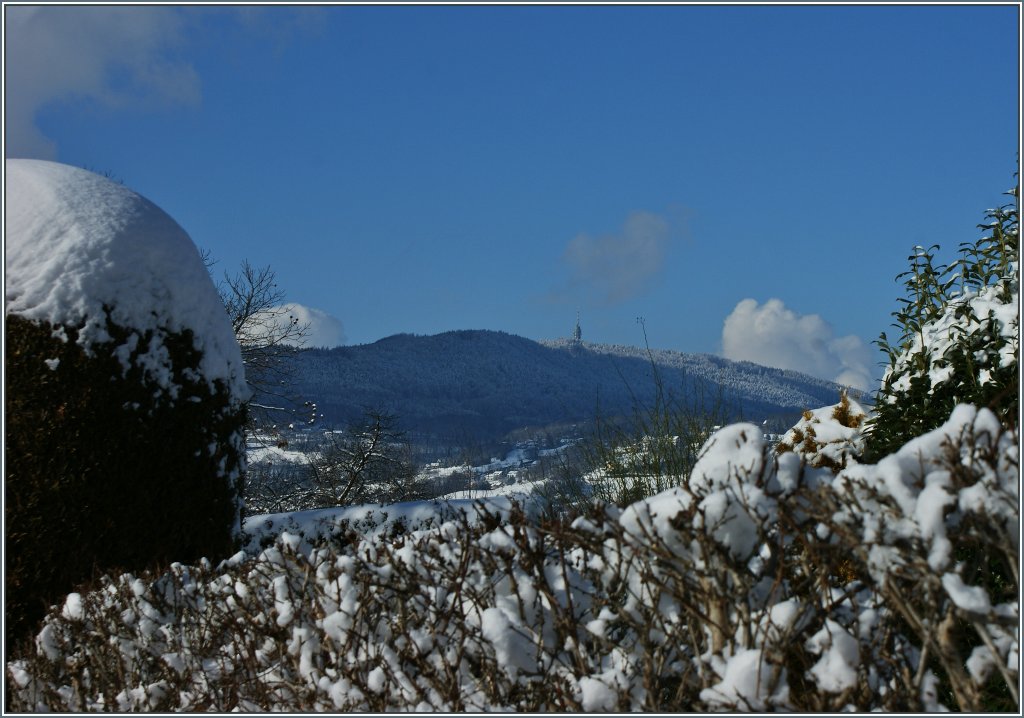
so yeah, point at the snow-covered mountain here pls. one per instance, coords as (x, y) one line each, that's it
(486, 383)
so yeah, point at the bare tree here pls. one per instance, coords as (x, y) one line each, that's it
(369, 462)
(266, 332)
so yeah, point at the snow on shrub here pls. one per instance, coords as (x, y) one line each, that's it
(724, 593)
(333, 526)
(829, 436)
(959, 336)
(125, 389)
(82, 250)
(936, 527)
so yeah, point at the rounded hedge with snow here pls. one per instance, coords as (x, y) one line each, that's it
(79, 245)
(125, 391)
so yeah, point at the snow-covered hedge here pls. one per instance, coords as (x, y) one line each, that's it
(124, 390)
(317, 528)
(761, 583)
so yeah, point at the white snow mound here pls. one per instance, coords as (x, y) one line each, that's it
(77, 242)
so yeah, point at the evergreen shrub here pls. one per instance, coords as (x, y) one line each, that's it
(104, 469)
(959, 337)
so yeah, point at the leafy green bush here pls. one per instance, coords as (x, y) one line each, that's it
(959, 336)
(105, 470)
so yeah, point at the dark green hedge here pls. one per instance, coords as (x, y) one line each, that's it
(103, 470)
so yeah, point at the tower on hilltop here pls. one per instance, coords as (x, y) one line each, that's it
(577, 333)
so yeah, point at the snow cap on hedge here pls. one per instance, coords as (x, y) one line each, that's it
(78, 243)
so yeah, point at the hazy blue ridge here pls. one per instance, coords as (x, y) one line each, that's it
(487, 383)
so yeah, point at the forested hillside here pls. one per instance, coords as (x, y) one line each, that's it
(488, 383)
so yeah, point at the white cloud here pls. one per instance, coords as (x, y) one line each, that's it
(110, 55)
(118, 56)
(324, 330)
(775, 336)
(620, 266)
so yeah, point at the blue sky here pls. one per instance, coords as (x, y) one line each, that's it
(421, 169)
